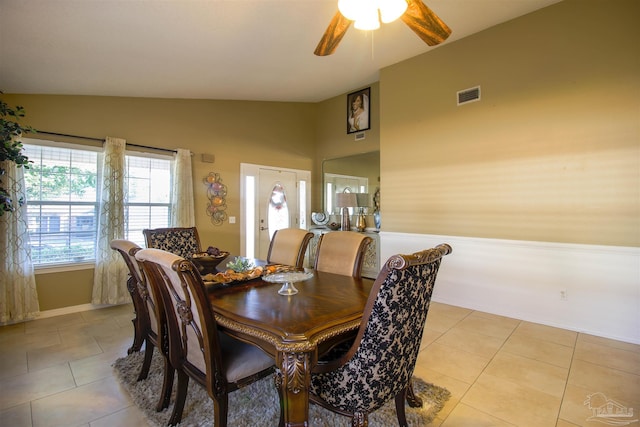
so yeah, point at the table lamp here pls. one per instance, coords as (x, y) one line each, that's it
(363, 202)
(346, 201)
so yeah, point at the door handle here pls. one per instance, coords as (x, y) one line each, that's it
(264, 228)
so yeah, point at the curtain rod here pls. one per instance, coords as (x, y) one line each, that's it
(103, 140)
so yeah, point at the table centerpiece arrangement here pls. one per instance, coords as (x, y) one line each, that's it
(238, 270)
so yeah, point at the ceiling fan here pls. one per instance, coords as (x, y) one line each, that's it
(426, 24)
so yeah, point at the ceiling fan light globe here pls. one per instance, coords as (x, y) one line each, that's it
(368, 18)
(350, 8)
(366, 25)
(390, 10)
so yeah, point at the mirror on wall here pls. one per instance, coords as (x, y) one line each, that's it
(359, 173)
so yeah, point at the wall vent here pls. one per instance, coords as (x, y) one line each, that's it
(207, 158)
(469, 95)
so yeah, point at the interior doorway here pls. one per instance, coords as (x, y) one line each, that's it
(272, 198)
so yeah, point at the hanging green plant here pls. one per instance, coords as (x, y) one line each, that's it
(11, 149)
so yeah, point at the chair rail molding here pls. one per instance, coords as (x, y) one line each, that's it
(584, 288)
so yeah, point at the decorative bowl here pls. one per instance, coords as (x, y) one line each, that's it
(333, 226)
(206, 263)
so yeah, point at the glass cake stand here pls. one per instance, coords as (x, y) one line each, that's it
(288, 279)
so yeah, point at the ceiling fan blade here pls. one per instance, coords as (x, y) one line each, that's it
(332, 36)
(425, 23)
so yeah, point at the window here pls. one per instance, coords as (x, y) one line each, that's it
(62, 203)
(148, 195)
(62, 199)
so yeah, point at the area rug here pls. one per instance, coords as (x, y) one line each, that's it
(257, 405)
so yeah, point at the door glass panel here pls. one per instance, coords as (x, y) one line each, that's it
(278, 211)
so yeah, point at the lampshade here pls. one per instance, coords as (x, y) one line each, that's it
(346, 200)
(363, 200)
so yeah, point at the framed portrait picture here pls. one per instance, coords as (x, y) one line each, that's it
(358, 113)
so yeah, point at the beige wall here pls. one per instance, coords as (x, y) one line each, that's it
(64, 289)
(550, 153)
(267, 133)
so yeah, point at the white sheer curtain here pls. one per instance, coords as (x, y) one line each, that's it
(182, 211)
(110, 276)
(18, 295)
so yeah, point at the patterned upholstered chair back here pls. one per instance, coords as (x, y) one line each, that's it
(288, 246)
(182, 241)
(342, 252)
(380, 364)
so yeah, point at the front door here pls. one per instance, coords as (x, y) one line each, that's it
(277, 205)
(272, 198)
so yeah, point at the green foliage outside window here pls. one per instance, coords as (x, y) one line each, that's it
(57, 180)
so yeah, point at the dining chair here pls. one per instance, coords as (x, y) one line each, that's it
(150, 321)
(288, 246)
(379, 365)
(182, 241)
(342, 252)
(216, 361)
(127, 250)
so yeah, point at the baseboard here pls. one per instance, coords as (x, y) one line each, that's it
(586, 288)
(71, 309)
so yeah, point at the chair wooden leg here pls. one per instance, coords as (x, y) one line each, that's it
(146, 364)
(138, 339)
(181, 397)
(277, 381)
(167, 386)
(220, 411)
(412, 398)
(400, 411)
(138, 326)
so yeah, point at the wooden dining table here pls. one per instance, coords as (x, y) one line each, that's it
(293, 329)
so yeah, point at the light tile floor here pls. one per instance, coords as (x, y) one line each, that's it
(500, 371)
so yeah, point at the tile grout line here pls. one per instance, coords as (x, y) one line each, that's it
(485, 367)
(566, 382)
(432, 342)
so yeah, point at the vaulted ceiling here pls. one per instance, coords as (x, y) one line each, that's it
(211, 49)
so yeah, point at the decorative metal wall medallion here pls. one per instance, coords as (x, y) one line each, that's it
(217, 193)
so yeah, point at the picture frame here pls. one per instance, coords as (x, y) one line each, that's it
(358, 111)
